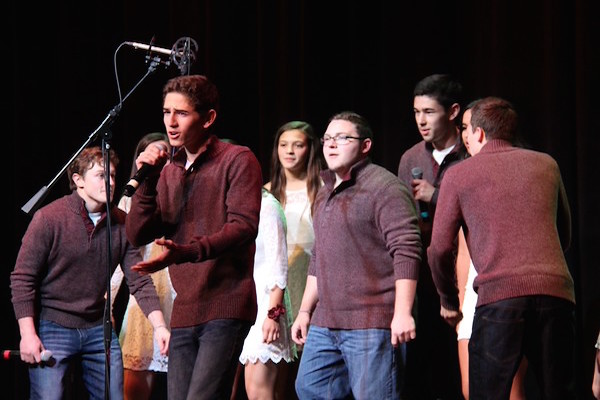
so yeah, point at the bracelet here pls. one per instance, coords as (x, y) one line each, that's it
(160, 326)
(275, 312)
(306, 311)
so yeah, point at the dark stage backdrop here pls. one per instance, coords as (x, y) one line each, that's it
(274, 61)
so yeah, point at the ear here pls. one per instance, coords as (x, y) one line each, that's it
(77, 179)
(211, 116)
(480, 135)
(366, 146)
(453, 111)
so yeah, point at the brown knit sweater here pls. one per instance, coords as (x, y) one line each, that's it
(213, 209)
(61, 270)
(514, 208)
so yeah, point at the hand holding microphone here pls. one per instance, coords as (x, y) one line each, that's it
(45, 355)
(152, 159)
(417, 173)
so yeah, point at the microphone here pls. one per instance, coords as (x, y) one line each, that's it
(45, 355)
(141, 174)
(417, 173)
(150, 47)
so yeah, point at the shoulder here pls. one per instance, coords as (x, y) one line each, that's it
(270, 206)
(415, 150)
(378, 178)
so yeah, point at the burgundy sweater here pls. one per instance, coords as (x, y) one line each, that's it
(62, 264)
(421, 155)
(213, 210)
(514, 208)
(366, 238)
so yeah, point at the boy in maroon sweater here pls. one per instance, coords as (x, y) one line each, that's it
(362, 276)
(59, 284)
(432, 360)
(512, 206)
(206, 203)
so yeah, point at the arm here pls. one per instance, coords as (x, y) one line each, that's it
(272, 231)
(463, 262)
(161, 332)
(309, 302)
(441, 251)
(24, 284)
(403, 324)
(270, 326)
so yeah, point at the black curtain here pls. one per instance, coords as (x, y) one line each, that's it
(278, 61)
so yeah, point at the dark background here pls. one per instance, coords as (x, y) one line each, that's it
(274, 61)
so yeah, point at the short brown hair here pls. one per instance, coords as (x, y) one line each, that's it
(86, 160)
(497, 117)
(201, 92)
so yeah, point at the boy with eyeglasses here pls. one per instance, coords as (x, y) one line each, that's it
(363, 274)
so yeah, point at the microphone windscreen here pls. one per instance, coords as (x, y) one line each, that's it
(417, 173)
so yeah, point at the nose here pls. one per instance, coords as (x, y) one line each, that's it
(331, 143)
(170, 119)
(420, 117)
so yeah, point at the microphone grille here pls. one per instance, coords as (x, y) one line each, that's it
(46, 355)
(417, 173)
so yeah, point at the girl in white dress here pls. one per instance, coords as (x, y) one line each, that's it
(268, 341)
(296, 163)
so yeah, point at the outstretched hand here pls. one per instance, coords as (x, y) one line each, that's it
(170, 255)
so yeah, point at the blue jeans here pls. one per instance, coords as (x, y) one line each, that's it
(542, 328)
(69, 345)
(339, 364)
(203, 359)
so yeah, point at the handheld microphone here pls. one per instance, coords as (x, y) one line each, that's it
(141, 174)
(417, 173)
(45, 355)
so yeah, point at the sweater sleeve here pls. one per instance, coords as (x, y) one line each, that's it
(243, 210)
(441, 250)
(31, 260)
(273, 229)
(140, 286)
(397, 219)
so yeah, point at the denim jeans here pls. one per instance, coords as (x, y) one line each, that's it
(203, 359)
(345, 364)
(541, 328)
(69, 345)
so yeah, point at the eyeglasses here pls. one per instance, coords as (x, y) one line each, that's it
(339, 140)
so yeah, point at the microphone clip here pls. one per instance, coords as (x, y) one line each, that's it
(155, 61)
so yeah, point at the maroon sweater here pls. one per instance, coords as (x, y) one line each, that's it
(514, 208)
(366, 238)
(213, 210)
(62, 264)
(421, 155)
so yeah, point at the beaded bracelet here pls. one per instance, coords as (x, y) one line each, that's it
(275, 312)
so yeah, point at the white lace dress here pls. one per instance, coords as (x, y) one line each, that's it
(270, 270)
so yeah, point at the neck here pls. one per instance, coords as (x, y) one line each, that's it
(295, 176)
(449, 140)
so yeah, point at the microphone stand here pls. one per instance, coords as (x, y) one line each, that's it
(34, 203)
